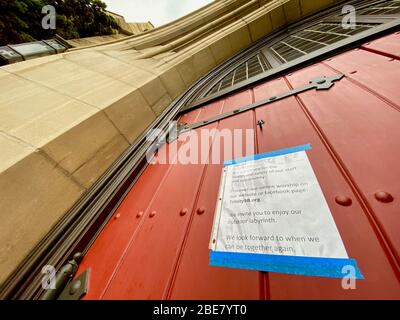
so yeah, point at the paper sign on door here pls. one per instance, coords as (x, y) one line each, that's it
(272, 216)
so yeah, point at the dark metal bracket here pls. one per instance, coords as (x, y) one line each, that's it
(65, 287)
(77, 288)
(320, 83)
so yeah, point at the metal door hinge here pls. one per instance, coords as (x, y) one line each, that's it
(77, 288)
(320, 83)
(260, 123)
(64, 287)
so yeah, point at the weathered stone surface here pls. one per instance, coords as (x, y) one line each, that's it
(260, 26)
(12, 151)
(91, 170)
(221, 49)
(25, 101)
(47, 126)
(79, 144)
(25, 216)
(309, 7)
(153, 91)
(292, 11)
(173, 82)
(240, 38)
(131, 115)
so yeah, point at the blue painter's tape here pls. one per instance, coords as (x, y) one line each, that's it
(275, 153)
(306, 266)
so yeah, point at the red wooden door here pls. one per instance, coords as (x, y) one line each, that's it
(156, 246)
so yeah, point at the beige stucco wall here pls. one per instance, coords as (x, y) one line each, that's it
(126, 29)
(131, 27)
(98, 40)
(65, 118)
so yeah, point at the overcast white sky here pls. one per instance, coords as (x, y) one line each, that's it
(158, 12)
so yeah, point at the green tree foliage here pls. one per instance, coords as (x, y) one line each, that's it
(21, 20)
